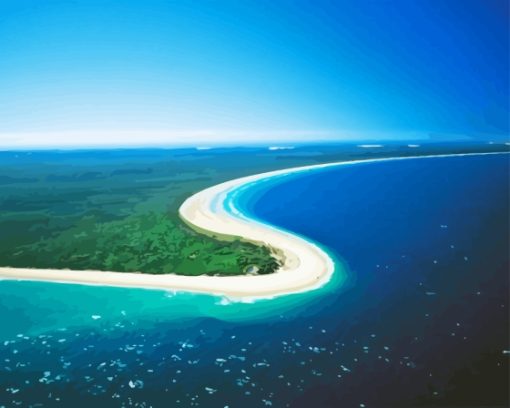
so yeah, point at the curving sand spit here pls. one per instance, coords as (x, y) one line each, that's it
(305, 266)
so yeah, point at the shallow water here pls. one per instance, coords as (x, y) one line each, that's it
(418, 316)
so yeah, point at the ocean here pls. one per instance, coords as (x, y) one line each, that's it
(416, 315)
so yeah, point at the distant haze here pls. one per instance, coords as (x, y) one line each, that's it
(92, 138)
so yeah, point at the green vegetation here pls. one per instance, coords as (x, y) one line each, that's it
(117, 209)
(150, 241)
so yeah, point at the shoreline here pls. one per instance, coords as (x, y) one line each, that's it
(305, 266)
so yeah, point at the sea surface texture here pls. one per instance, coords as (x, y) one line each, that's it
(417, 314)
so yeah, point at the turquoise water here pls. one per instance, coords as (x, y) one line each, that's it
(416, 313)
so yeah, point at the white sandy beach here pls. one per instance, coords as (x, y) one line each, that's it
(305, 266)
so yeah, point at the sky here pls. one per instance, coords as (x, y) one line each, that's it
(80, 73)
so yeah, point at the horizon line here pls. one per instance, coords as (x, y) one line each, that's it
(269, 146)
(112, 139)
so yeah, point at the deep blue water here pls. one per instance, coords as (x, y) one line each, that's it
(421, 320)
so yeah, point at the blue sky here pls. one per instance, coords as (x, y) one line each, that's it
(82, 72)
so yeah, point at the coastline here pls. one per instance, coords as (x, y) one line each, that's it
(305, 266)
